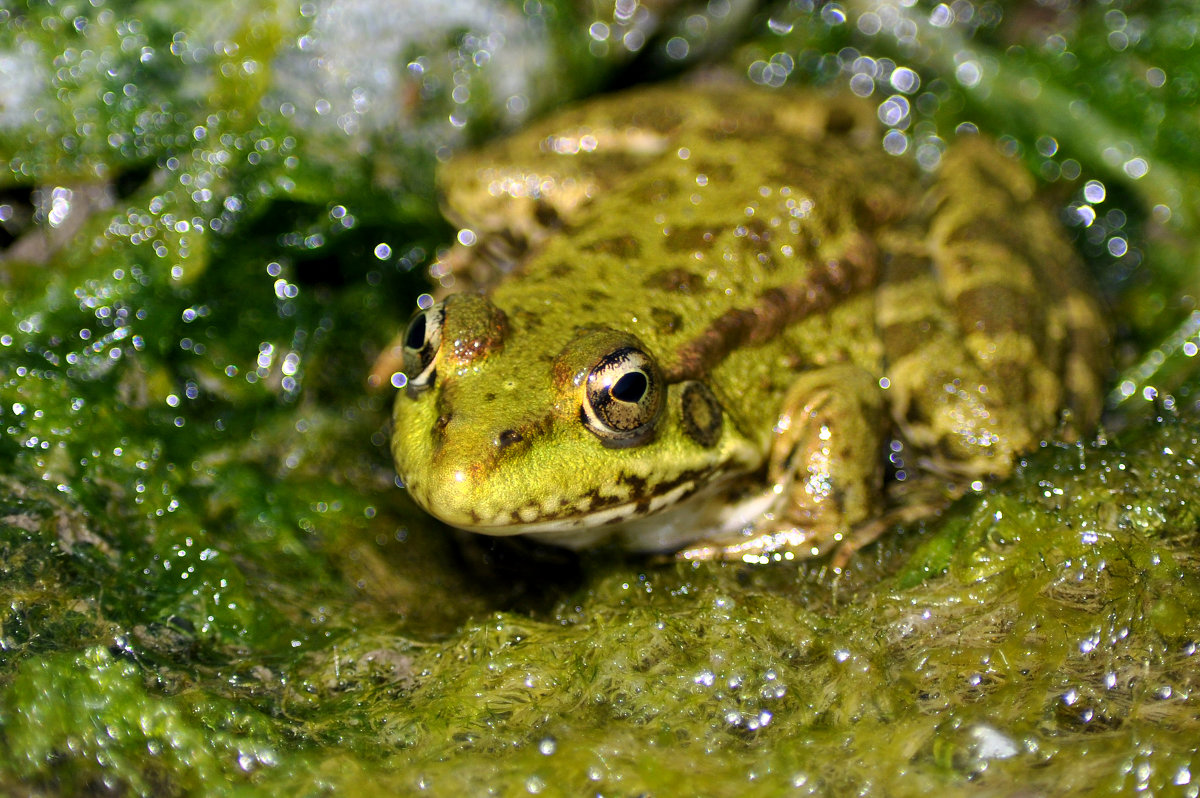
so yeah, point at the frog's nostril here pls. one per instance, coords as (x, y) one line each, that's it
(508, 437)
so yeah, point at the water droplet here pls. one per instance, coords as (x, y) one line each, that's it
(870, 23)
(905, 80)
(833, 14)
(779, 27)
(1136, 167)
(862, 85)
(991, 743)
(1047, 146)
(677, 48)
(894, 111)
(968, 74)
(895, 142)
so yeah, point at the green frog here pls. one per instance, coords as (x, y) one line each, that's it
(723, 322)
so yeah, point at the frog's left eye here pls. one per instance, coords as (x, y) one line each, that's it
(623, 398)
(422, 340)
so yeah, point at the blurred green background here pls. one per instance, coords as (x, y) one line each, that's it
(213, 216)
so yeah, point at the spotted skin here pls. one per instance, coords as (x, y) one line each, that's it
(804, 299)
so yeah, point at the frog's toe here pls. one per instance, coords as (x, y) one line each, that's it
(790, 543)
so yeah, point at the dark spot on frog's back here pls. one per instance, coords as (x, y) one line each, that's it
(881, 206)
(840, 121)
(618, 246)
(675, 281)
(690, 239)
(665, 321)
(656, 191)
(796, 168)
(659, 118)
(746, 126)
(526, 320)
(900, 267)
(989, 229)
(1011, 382)
(754, 230)
(902, 338)
(994, 308)
(717, 172)
(997, 175)
(546, 215)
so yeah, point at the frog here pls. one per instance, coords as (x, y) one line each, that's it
(719, 322)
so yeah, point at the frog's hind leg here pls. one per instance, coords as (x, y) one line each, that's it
(1016, 288)
(964, 332)
(1074, 336)
(824, 470)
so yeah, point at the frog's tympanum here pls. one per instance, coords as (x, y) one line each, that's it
(721, 320)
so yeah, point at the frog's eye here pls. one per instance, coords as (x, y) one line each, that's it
(623, 398)
(422, 340)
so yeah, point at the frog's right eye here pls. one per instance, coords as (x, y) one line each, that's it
(624, 398)
(422, 340)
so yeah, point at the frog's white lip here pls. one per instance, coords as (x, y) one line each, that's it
(723, 510)
(670, 521)
(529, 523)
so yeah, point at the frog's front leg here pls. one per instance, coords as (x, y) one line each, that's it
(824, 468)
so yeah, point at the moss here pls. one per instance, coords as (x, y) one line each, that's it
(1054, 632)
(1057, 647)
(115, 734)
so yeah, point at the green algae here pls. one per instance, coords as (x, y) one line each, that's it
(210, 585)
(1057, 647)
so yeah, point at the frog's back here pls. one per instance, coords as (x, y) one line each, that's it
(735, 215)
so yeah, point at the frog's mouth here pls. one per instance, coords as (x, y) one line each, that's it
(692, 510)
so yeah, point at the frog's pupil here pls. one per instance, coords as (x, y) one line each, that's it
(631, 387)
(416, 333)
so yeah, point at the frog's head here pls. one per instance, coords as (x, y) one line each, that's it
(508, 431)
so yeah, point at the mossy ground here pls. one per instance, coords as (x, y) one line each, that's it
(209, 583)
(1042, 634)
